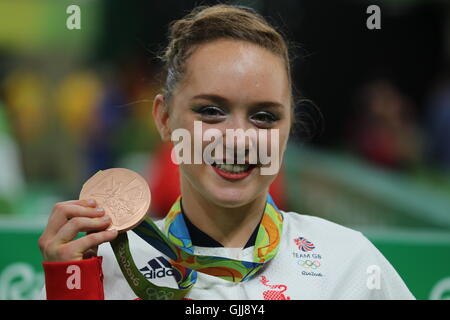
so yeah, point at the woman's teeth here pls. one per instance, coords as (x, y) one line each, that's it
(233, 168)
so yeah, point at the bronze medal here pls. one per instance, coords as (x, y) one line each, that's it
(123, 194)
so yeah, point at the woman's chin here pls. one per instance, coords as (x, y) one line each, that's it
(231, 196)
(229, 193)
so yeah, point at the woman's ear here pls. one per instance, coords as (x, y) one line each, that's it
(161, 117)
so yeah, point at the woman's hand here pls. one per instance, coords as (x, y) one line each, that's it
(65, 222)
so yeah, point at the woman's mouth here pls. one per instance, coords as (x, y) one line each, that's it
(233, 171)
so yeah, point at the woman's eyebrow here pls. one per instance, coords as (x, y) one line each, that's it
(212, 97)
(224, 101)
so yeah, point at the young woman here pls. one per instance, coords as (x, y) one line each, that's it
(227, 68)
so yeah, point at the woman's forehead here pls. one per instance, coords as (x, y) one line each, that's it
(238, 70)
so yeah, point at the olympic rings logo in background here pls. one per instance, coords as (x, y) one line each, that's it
(308, 264)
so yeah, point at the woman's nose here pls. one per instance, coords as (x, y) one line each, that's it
(240, 139)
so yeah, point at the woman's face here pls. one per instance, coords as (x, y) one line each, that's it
(230, 84)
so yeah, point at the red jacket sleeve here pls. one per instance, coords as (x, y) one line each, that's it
(74, 280)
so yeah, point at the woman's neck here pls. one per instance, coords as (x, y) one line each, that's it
(231, 227)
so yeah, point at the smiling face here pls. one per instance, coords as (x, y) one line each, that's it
(229, 84)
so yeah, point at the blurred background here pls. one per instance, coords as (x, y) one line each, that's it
(73, 102)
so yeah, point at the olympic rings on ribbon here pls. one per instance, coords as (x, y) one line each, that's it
(308, 263)
(154, 294)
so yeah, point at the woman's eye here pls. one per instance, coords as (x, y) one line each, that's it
(264, 117)
(209, 111)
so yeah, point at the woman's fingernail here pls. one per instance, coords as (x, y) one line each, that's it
(99, 209)
(113, 231)
(90, 202)
(106, 218)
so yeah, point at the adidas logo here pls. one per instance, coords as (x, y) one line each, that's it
(158, 267)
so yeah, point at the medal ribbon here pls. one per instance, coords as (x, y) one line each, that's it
(176, 244)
